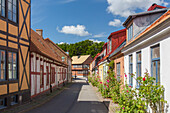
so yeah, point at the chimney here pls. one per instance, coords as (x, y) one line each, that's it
(40, 32)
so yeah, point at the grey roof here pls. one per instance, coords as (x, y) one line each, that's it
(144, 13)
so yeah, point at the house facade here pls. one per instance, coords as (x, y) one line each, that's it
(81, 65)
(14, 52)
(119, 40)
(47, 68)
(65, 58)
(147, 46)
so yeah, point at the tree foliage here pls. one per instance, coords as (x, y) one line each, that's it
(86, 47)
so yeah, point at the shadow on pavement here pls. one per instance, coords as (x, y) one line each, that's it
(78, 98)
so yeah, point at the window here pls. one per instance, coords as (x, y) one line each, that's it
(138, 67)
(63, 59)
(74, 66)
(12, 10)
(118, 71)
(2, 8)
(130, 32)
(2, 66)
(130, 70)
(14, 100)
(155, 64)
(53, 75)
(2, 103)
(41, 75)
(12, 65)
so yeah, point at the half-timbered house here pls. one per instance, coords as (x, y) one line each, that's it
(14, 52)
(47, 68)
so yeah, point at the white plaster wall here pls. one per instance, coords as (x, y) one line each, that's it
(165, 66)
(134, 69)
(126, 68)
(38, 84)
(32, 85)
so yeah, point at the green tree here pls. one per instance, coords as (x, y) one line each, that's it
(86, 47)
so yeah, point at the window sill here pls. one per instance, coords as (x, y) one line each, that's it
(13, 103)
(13, 81)
(3, 107)
(12, 22)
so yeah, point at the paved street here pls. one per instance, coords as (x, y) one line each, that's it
(78, 98)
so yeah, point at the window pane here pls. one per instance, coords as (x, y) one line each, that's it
(156, 52)
(138, 57)
(3, 3)
(14, 71)
(3, 64)
(9, 57)
(2, 103)
(14, 9)
(10, 1)
(15, 2)
(14, 57)
(131, 59)
(10, 74)
(41, 75)
(10, 15)
(14, 17)
(3, 11)
(154, 69)
(158, 71)
(9, 6)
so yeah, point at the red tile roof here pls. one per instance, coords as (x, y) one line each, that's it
(39, 46)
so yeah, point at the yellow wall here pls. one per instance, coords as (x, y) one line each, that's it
(101, 72)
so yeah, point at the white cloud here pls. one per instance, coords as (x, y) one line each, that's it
(100, 35)
(75, 30)
(95, 41)
(61, 43)
(115, 22)
(124, 8)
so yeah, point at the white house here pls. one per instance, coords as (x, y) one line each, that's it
(147, 47)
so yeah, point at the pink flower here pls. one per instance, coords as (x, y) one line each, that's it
(127, 91)
(130, 86)
(108, 72)
(107, 86)
(123, 108)
(108, 80)
(125, 75)
(100, 82)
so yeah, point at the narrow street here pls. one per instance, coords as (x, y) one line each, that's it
(78, 98)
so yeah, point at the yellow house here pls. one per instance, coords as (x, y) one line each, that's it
(14, 52)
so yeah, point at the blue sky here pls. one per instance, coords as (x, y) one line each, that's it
(72, 21)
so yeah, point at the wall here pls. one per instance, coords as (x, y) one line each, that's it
(120, 59)
(157, 36)
(15, 37)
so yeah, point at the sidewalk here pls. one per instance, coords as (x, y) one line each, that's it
(36, 102)
(112, 107)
